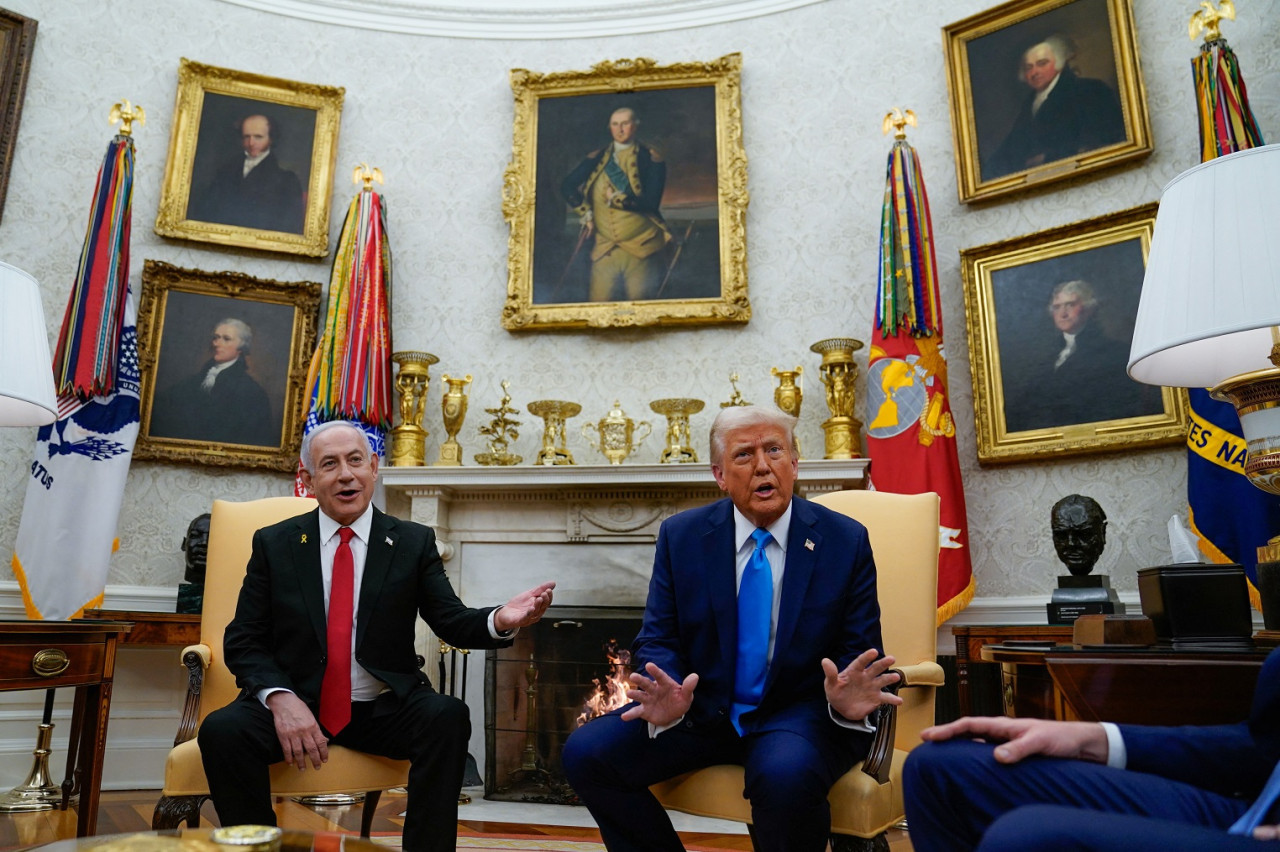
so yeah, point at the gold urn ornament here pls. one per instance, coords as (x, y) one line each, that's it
(454, 407)
(409, 439)
(838, 371)
(788, 394)
(615, 434)
(679, 448)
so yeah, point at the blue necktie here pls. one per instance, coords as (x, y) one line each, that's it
(1253, 817)
(755, 615)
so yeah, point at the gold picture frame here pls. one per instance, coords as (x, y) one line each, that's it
(1034, 395)
(251, 414)
(673, 256)
(1017, 123)
(17, 41)
(206, 195)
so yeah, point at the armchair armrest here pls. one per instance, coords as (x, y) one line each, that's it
(879, 757)
(197, 659)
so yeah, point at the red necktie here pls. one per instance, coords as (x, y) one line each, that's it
(335, 689)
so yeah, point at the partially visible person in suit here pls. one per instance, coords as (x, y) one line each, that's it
(1063, 115)
(998, 784)
(1076, 373)
(302, 689)
(251, 189)
(617, 192)
(221, 401)
(760, 646)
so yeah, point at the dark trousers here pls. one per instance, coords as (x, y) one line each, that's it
(239, 742)
(958, 798)
(611, 763)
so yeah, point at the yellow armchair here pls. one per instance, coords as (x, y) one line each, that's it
(868, 799)
(212, 685)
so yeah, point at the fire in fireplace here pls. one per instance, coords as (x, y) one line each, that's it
(566, 669)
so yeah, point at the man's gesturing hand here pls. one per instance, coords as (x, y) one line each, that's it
(524, 609)
(855, 692)
(661, 700)
(300, 736)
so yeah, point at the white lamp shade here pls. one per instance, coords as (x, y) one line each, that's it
(1212, 289)
(27, 396)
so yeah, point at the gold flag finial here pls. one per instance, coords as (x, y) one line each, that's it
(126, 114)
(364, 174)
(1207, 18)
(897, 120)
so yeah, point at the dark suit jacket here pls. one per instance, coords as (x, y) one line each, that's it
(268, 198)
(829, 609)
(1079, 115)
(277, 638)
(1233, 760)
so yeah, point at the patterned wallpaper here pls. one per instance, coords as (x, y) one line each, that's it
(435, 114)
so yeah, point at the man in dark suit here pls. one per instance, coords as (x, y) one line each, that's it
(1033, 784)
(617, 192)
(1063, 115)
(738, 672)
(252, 189)
(373, 697)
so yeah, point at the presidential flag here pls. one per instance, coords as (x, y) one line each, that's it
(77, 474)
(911, 436)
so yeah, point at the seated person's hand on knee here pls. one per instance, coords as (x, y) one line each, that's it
(1021, 738)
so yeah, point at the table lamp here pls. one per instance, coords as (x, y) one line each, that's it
(1210, 310)
(27, 396)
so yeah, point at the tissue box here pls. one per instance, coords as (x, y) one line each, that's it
(1197, 605)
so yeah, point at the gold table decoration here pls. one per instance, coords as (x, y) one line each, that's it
(500, 431)
(553, 413)
(454, 405)
(735, 398)
(679, 449)
(843, 431)
(615, 434)
(409, 439)
(788, 394)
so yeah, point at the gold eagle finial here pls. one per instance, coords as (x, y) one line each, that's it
(1208, 19)
(126, 114)
(364, 174)
(897, 121)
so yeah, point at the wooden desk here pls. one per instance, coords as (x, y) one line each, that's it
(971, 638)
(1147, 686)
(44, 654)
(153, 628)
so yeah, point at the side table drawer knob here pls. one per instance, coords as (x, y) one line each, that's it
(50, 662)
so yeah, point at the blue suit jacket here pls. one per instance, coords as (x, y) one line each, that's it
(1233, 760)
(828, 609)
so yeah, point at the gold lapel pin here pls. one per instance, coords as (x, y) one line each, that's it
(304, 539)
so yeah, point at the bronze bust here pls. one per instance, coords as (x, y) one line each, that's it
(1079, 532)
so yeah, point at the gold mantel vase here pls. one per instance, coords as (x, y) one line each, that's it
(842, 430)
(409, 440)
(454, 406)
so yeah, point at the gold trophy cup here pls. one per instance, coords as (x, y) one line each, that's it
(615, 434)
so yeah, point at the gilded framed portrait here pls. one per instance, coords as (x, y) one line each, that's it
(17, 40)
(626, 196)
(224, 366)
(1051, 318)
(251, 161)
(1042, 90)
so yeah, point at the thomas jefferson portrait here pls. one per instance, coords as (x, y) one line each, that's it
(627, 204)
(1045, 90)
(1064, 326)
(252, 164)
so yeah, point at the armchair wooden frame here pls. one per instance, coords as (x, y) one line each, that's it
(867, 800)
(211, 685)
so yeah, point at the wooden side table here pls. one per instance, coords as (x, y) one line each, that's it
(971, 638)
(153, 628)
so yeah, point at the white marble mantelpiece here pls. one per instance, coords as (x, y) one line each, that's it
(590, 528)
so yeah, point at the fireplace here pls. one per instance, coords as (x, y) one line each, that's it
(562, 671)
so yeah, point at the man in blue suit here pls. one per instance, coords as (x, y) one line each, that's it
(1034, 784)
(723, 686)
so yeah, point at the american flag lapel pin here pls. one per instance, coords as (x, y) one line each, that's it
(389, 541)
(808, 544)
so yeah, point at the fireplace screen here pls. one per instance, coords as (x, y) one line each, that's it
(566, 669)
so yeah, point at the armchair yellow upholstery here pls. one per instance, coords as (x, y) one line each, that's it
(868, 799)
(212, 685)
